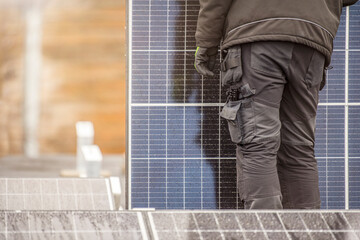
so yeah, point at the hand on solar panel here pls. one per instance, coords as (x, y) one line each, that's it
(205, 59)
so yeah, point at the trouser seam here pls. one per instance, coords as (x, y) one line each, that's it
(251, 197)
(304, 204)
(269, 104)
(284, 142)
(261, 140)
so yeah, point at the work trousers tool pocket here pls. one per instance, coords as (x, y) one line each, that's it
(241, 122)
(238, 109)
(231, 67)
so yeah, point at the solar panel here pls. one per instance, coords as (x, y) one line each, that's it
(71, 225)
(181, 225)
(179, 152)
(354, 109)
(55, 194)
(255, 225)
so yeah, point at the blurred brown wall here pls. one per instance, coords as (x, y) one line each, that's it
(12, 29)
(83, 76)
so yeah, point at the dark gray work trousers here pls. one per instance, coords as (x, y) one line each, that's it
(272, 121)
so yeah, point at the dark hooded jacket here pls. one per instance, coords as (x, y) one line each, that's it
(310, 22)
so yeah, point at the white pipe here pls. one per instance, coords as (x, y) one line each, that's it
(32, 74)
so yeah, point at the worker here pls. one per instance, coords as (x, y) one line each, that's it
(276, 53)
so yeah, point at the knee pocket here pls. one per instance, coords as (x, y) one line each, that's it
(241, 120)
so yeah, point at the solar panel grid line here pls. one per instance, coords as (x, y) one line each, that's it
(58, 193)
(201, 146)
(74, 226)
(219, 143)
(219, 165)
(326, 162)
(6, 226)
(283, 225)
(6, 199)
(76, 195)
(240, 227)
(228, 158)
(28, 223)
(262, 227)
(149, 78)
(92, 195)
(197, 226)
(193, 51)
(328, 227)
(306, 228)
(41, 197)
(152, 226)
(128, 154)
(217, 224)
(175, 225)
(148, 160)
(347, 110)
(260, 231)
(109, 194)
(221, 104)
(167, 97)
(184, 120)
(142, 226)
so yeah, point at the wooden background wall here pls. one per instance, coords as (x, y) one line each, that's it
(83, 75)
(12, 29)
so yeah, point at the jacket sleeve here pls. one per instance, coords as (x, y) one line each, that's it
(211, 21)
(349, 2)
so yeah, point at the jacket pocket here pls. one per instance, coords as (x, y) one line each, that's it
(324, 78)
(231, 66)
(241, 122)
(315, 78)
(323, 81)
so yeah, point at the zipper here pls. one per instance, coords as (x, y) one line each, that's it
(294, 19)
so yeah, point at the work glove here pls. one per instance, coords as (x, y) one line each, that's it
(205, 59)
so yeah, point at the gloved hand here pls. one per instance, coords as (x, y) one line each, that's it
(205, 59)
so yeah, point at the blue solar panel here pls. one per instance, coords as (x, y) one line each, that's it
(354, 111)
(354, 27)
(354, 75)
(180, 154)
(334, 90)
(340, 38)
(329, 150)
(354, 156)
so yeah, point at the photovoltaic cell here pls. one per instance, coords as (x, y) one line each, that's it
(180, 154)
